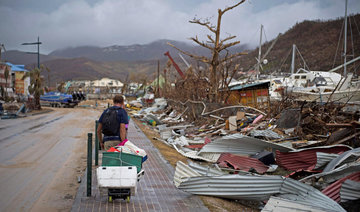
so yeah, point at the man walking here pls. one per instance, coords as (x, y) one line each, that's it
(112, 124)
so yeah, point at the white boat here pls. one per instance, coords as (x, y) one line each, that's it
(323, 86)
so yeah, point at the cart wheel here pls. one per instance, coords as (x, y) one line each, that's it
(128, 199)
(110, 198)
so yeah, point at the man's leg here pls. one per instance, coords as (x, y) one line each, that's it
(109, 144)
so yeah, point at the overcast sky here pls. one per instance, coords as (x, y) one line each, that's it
(66, 23)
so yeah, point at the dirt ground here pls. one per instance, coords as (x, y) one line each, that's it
(65, 185)
(42, 173)
(214, 204)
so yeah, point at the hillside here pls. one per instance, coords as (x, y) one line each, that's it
(86, 69)
(19, 57)
(316, 40)
(119, 62)
(137, 52)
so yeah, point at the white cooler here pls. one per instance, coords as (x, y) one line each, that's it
(117, 178)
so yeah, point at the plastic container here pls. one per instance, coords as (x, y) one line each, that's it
(122, 159)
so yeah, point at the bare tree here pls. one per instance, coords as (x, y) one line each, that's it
(216, 46)
(36, 87)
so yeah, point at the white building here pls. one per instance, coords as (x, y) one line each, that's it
(107, 85)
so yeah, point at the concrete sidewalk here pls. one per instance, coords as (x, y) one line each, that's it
(155, 191)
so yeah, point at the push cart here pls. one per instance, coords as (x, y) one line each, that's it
(119, 174)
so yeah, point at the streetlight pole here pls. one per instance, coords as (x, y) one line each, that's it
(38, 50)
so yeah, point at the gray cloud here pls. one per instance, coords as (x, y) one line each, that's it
(123, 22)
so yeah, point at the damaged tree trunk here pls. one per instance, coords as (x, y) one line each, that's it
(216, 46)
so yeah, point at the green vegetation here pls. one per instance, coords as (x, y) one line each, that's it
(36, 84)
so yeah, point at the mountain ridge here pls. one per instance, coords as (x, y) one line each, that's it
(317, 41)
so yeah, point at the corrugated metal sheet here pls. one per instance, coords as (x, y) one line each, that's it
(350, 190)
(165, 134)
(285, 205)
(259, 187)
(348, 156)
(209, 157)
(183, 172)
(234, 186)
(305, 158)
(302, 193)
(337, 173)
(323, 158)
(205, 170)
(241, 145)
(265, 133)
(333, 190)
(242, 163)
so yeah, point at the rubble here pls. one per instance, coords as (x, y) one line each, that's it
(244, 147)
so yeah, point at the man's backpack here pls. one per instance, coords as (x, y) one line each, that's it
(110, 124)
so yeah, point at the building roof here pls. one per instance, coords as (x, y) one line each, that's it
(240, 87)
(16, 67)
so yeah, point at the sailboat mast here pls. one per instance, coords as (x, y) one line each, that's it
(259, 57)
(293, 59)
(345, 37)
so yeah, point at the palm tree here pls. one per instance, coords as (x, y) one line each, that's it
(6, 75)
(36, 84)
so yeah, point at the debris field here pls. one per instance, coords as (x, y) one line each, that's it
(291, 155)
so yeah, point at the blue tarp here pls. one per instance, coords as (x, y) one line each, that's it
(16, 67)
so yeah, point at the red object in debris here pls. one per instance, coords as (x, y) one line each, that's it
(175, 65)
(305, 159)
(149, 101)
(195, 146)
(300, 174)
(241, 163)
(199, 146)
(207, 140)
(333, 190)
(112, 149)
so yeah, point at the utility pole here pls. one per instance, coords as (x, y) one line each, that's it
(2, 46)
(165, 81)
(38, 50)
(158, 78)
(345, 38)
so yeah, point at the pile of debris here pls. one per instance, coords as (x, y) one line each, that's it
(296, 155)
(12, 110)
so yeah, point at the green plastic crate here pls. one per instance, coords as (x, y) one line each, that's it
(121, 159)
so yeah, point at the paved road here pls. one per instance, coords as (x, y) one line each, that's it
(35, 151)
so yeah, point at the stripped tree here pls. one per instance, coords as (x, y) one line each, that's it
(216, 46)
(36, 84)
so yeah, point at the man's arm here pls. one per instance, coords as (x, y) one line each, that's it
(122, 132)
(99, 134)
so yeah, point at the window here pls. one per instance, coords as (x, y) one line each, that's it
(297, 77)
(303, 77)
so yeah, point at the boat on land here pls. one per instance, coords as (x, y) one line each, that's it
(57, 99)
